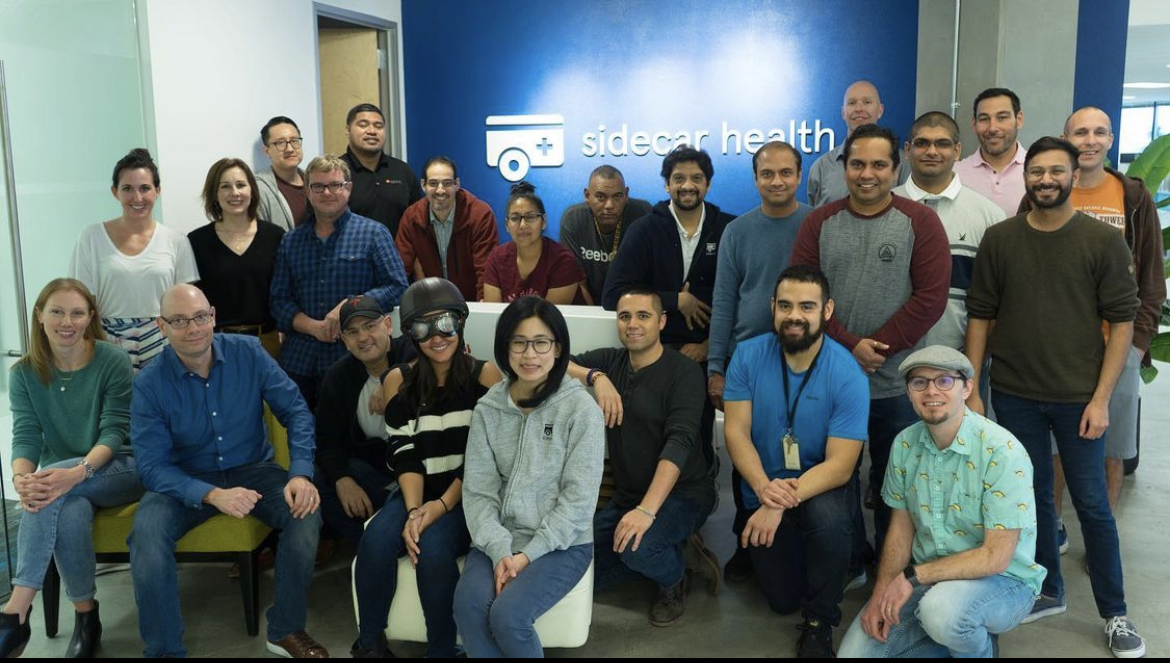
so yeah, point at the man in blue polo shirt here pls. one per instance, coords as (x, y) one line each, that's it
(197, 420)
(797, 455)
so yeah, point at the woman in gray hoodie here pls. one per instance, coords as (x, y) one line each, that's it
(530, 481)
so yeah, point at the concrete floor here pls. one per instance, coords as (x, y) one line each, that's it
(736, 623)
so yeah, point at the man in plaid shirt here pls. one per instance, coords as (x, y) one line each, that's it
(334, 256)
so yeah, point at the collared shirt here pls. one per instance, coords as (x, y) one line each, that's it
(689, 242)
(1005, 188)
(382, 194)
(443, 230)
(982, 481)
(312, 276)
(183, 424)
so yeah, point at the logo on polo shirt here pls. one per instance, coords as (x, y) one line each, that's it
(887, 252)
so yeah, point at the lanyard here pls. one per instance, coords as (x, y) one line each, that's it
(800, 390)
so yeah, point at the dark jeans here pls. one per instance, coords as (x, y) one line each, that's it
(659, 556)
(887, 418)
(310, 386)
(161, 521)
(375, 574)
(805, 567)
(1035, 423)
(375, 481)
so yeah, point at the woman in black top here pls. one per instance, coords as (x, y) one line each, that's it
(428, 412)
(236, 253)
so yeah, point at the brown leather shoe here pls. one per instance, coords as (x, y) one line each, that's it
(703, 562)
(670, 604)
(298, 645)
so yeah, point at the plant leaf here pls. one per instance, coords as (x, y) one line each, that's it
(1148, 374)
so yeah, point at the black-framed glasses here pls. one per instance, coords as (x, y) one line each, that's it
(939, 144)
(283, 143)
(532, 218)
(943, 382)
(443, 324)
(541, 346)
(199, 319)
(334, 187)
(440, 184)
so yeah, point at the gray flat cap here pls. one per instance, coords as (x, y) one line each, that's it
(938, 356)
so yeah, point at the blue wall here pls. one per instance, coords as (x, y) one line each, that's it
(1102, 33)
(633, 66)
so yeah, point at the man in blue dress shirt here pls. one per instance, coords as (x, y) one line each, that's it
(197, 420)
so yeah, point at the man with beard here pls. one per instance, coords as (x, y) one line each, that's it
(593, 230)
(996, 169)
(663, 492)
(826, 179)
(797, 457)
(1056, 268)
(383, 187)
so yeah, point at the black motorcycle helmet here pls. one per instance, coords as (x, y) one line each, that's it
(430, 294)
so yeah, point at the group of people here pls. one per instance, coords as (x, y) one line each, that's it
(897, 307)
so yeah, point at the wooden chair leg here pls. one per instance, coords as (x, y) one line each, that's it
(51, 598)
(250, 589)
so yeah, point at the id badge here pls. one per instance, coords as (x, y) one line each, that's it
(791, 452)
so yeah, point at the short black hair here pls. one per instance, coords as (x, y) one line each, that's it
(606, 172)
(684, 153)
(1049, 143)
(443, 160)
(524, 190)
(362, 108)
(548, 313)
(874, 131)
(279, 119)
(935, 119)
(804, 274)
(991, 93)
(640, 290)
(138, 157)
(776, 145)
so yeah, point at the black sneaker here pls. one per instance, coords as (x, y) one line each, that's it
(670, 604)
(816, 639)
(380, 649)
(739, 567)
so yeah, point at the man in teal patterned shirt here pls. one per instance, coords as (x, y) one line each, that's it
(958, 564)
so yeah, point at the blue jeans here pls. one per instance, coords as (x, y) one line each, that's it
(887, 418)
(954, 618)
(502, 626)
(659, 556)
(375, 481)
(805, 567)
(64, 528)
(376, 574)
(162, 520)
(1035, 423)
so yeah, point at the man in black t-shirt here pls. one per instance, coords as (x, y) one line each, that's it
(383, 187)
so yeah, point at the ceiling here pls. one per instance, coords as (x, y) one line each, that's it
(1147, 55)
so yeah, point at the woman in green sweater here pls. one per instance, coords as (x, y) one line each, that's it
(70, 400)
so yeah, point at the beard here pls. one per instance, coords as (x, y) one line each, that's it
(1057, 202)
(800, 343)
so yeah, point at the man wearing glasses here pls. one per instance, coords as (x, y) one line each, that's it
(383, 187)
(958, 567)
(197, 418)
(335, 256)
(283, 199)
(449, 233)
(351, 435)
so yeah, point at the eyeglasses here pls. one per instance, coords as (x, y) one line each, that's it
(940, 144)
(74, 316)
(364, 328)
(532, 218)
(199, 319)
(443, 324)
(281, 144)
(440, 184)
(943, 382)
(541, 346)
(334, 187)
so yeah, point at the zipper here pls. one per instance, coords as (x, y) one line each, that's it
(515, 465)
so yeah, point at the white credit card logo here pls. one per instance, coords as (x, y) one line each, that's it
(517, 142)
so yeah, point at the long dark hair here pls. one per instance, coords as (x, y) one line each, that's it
(420, 385)
(548, 313)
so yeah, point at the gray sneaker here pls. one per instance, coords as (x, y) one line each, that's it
(1123, 638)
(1045, 606)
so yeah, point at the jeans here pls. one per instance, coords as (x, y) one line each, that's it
(1032, 422)
(805, 567)
(502, 626)
(954, 618)
(162, 520)
(887, 418)
(64, 528)
(376, 574)
(310, 386)
(375, 481)
(659, 556)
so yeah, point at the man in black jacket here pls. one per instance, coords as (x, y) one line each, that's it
(351, 438)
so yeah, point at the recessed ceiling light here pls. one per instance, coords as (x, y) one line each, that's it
(1147, 86)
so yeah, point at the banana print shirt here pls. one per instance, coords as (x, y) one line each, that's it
(982, 481)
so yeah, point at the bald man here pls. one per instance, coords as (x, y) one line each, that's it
(1125, 204)
(197, 420)
(826, 180)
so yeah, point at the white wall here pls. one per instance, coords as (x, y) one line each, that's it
(218, 70)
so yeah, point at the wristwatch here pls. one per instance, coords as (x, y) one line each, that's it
(89, 471)
(911, 575)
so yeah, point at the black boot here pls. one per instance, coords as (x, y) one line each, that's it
(14, 635)
(87, 634)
